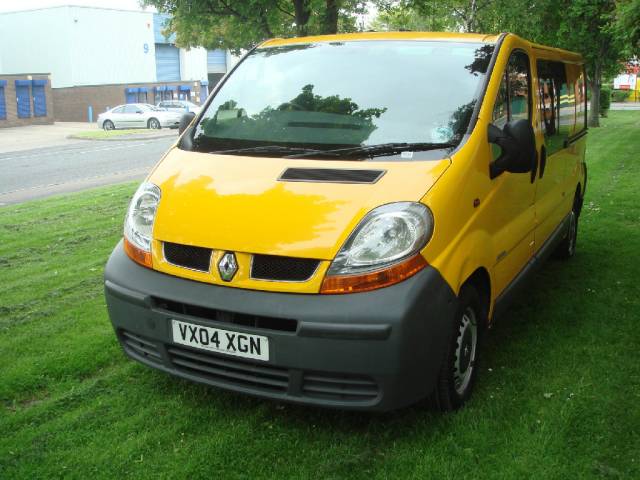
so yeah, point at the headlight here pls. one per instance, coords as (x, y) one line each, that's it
(382, 250)
(138, 224)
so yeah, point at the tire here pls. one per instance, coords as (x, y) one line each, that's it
(459, 368)
(567, 247)
(154, 124)
(108, 125)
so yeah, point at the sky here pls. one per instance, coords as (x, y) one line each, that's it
(12, 5)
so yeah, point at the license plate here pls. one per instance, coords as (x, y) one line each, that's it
(220, 341)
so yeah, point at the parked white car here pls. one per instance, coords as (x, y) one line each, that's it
(179, 106)
(138, 115)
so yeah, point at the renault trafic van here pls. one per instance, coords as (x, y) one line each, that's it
(348, 213)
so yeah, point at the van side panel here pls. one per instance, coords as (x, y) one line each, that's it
(482, 222)
(478, 222)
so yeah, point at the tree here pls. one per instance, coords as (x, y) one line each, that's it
(406, 15)
(588, 27)
(239, 25)
(628, 24)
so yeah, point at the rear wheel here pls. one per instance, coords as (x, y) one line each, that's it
(108, 125)
(154, 124)
(567, 248)
(460, 365)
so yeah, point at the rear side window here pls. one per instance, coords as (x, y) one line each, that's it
(513, 100)
(557, 104)
(581, 100)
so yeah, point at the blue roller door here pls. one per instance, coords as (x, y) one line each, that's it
(131, 95)
(23, 98)
(39, 98)
(167, 63)
(216, 61)
(3, 104)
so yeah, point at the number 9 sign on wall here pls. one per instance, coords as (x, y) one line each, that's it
(145, 47)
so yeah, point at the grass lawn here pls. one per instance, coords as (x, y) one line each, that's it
(104, 134)
(558, 395)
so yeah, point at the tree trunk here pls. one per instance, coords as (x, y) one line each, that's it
(264, 24)
(471, 20)
(302, 14)
(331, 17)
(594, 84)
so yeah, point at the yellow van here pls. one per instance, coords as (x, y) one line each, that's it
(348, 213)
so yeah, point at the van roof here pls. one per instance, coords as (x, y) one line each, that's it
(345, 37)
(441, 36)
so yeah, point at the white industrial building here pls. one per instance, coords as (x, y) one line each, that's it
(100, 57)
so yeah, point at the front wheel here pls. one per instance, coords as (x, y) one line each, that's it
(460, 365)
(154, 124)
(108, 125)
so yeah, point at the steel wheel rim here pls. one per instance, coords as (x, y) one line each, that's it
(572, 233)
(108, 126)
(155, 124)
(465, 355)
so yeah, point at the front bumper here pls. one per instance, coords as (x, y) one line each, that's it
(377, 350)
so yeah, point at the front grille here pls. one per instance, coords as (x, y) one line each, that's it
(140, 346)
(229, 370)
(187, 256)
(287, 269)
(246, 320)
(333, 386)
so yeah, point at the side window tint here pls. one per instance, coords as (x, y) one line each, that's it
(512, 101)
(557, 104)
(501, 108)
(518, 86)
(118, 110)
(581, 98)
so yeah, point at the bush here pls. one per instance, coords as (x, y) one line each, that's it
(605, 100)
(619, 95)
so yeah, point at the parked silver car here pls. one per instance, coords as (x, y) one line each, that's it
(179, 106)
(138, 115)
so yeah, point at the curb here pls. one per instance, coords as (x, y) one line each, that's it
(130, 137)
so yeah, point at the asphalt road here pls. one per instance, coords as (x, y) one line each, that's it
(31, 174)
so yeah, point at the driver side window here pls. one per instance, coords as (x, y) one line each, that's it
(513, 101)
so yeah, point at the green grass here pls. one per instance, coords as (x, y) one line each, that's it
(558, 396)
(104, 134)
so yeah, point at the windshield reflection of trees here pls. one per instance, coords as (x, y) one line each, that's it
(308, 118)
(481, 60)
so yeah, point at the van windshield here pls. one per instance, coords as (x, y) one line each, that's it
(316, 97)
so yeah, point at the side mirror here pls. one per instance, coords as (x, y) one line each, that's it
(517, 142)
(185, 120)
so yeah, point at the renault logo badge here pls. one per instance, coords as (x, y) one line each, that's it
(228, 266)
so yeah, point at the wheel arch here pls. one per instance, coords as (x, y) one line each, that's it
(578, 199)
(481, 281)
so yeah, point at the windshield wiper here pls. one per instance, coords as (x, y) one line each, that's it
(272, 149)
(376, 150)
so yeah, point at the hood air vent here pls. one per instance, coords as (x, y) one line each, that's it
(331, 175)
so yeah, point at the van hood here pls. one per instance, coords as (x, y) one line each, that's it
(237, 203)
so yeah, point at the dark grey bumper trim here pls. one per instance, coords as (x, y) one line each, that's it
(394, 337)
(347, 332)
(127, 294)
